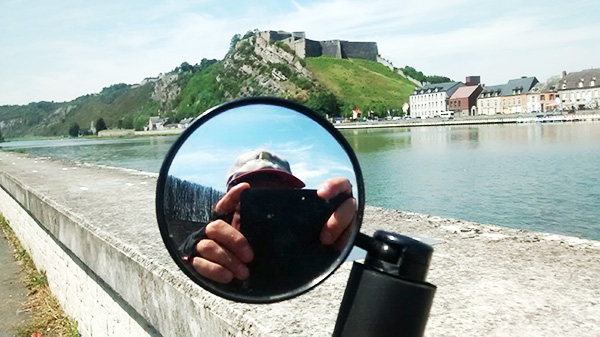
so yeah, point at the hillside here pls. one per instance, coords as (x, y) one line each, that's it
(252, 67)
(361, 84)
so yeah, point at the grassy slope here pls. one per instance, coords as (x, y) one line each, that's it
(361, 83)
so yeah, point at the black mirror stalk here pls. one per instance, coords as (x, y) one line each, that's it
(387, 295)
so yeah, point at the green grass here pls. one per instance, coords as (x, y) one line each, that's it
(361, 83)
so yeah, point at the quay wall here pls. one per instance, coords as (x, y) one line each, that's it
(478, 120)
(93, 230)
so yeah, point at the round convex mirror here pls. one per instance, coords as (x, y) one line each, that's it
(259, 200)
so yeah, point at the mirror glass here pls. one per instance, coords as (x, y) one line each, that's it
(251, 167)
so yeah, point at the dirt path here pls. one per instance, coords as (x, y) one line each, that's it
(13, 293)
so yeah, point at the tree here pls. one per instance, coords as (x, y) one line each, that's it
(127, 122)
(1, 138)
(74, 130)
(186, 67)
(250, 33)
(325, 103)
(100, 125)
(234, 40)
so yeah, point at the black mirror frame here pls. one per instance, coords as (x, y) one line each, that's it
(206, 116)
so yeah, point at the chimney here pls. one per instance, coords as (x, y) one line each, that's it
(472, 80)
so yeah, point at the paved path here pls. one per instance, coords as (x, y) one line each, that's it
(12, 291)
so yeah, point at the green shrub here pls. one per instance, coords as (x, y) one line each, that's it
(285, 47)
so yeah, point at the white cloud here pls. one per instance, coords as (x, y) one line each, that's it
(64, 50)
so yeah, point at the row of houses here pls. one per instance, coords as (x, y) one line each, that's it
(162, 123)
(573, 91)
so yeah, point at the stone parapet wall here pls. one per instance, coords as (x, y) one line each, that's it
(93, 231)
(83, 295)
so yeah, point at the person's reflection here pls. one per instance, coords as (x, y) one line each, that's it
(221, 253)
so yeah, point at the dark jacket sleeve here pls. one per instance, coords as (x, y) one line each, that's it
(188, 247)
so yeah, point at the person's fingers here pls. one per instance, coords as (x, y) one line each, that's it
(341, 242)
(231, 239)
(235, 221)
(340, 220)
(333, 187)
(215, 253)
(231, 200)
(212, 270)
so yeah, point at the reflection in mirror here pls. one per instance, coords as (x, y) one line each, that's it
(260, 203)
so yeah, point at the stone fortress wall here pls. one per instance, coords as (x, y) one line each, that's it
(334, 48)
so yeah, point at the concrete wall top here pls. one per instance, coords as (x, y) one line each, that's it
(491, 280)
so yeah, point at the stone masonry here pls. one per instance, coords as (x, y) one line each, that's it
(333, 48)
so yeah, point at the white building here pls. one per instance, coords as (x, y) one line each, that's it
(432, 99)
(490, 100)
(581, 89)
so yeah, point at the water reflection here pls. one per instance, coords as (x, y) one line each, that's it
(532, 176)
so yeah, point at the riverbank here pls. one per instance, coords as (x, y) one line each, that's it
(593, 115)
(473, 120)
(492, 281)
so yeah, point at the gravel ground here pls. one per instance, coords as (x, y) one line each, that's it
(496, 281)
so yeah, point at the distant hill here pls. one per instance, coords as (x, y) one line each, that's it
(252, 67)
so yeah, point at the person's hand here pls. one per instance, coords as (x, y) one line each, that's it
(339, 225)
(224, 255)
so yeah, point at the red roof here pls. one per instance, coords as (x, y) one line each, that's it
(464, 92)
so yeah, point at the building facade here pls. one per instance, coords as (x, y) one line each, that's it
(432, 99)
(580, 90)
(463, 101)
(490, 100)
(514, 94)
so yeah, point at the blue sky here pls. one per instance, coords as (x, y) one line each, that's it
(211, 150)
(59, 50)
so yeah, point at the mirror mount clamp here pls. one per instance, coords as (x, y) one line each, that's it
(387, 295)
(396, 255)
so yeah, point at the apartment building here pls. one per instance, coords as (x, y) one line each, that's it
(580, 90)
(432, 99)
(490, 100)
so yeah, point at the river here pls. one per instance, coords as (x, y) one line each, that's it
(534, 176)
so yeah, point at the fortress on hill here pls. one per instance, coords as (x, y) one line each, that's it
(334, 48)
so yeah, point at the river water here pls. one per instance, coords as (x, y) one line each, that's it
(535, 176)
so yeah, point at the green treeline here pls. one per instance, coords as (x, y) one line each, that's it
(419, 76)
